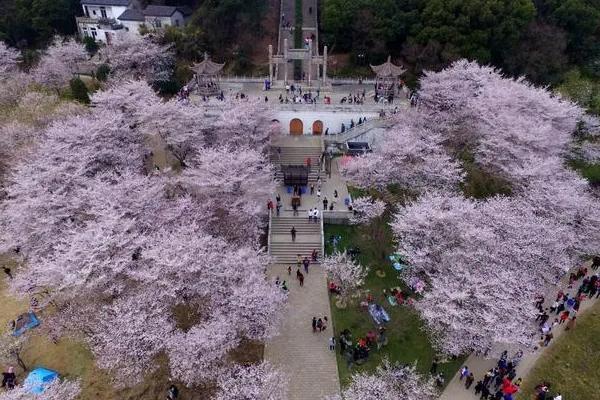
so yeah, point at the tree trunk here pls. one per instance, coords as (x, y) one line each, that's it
(20, 362)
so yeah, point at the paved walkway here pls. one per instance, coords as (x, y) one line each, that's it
(479, 366)
(302, 354)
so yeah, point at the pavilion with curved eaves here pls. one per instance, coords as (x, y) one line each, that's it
(388, 75)
(206, 76)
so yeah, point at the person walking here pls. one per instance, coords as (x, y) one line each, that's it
(325, 204)
(306, 263)
(301, 278)
(310, 215)
(319, 193)
(478, 387)
(469, 380)
(332, 343)
(312, 189)
(314, 324)
(289, 269)
(319, 324)
(293, 232)
(278, 208)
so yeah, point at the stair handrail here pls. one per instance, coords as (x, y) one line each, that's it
(322, 236)
(269, 232)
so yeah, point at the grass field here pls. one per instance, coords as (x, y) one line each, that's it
(572, 365)
(407, 342)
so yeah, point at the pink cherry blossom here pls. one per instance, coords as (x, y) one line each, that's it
(389, 382)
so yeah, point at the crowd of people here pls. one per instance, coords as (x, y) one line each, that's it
(499, 382)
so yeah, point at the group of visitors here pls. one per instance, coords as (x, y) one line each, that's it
(277, 205)
(356, 98)
(313, 215)
(565, 306)
(319, 324)
(361, 120)
(357, 352)
(498, 383)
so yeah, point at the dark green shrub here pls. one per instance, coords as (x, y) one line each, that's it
(91, 46)
(79, 91)
(102, 72)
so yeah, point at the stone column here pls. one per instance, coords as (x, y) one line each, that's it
(324, 65)
(270, 63)
(285, 61)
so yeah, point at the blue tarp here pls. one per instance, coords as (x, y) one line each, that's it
(378, 314)
(38, 379)
(25, 322)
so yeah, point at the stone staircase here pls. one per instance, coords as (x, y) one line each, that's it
(298, 156)
(308, 237)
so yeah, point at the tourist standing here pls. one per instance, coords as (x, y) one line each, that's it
(332, 343)
(306, 263)
(314, 324)
(293, 233)
(464, 372)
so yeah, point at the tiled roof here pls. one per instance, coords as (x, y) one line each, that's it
(159, 11)
(105, 2)
(131, 15)
(165, 11)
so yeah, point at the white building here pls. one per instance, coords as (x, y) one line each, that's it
(105, 19)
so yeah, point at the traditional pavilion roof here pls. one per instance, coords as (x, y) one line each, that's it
(207, 67)
(388, 69)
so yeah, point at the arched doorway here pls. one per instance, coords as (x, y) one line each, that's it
(317, 128)
(296, 127)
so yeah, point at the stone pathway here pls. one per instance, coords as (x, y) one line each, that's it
(479, 366)
(302, 354)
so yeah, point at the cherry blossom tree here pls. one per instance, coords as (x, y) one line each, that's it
(411, 154)
(366, 209)
(509, 124)
(484, 262)
(257, 382)
(11, 349)
(57, 390)
(9, 59)
(389, 382)
(140, 57)
(346, 273)
(125, 248)
(58, 63)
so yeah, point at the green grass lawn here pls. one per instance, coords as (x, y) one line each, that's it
(407, 342)
(572, 365)
(591, 172)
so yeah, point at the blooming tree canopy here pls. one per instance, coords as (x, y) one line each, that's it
(58, 63)
(484, 262)
(126, 248)
(57, 390)
(510, 124)
(140, 57)
(366, 209)
(256, 382)
(9, 59)
(389, 382)
(347, 274)
(411, 153)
